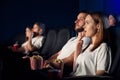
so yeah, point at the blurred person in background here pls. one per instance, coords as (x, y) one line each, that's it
(34, 39)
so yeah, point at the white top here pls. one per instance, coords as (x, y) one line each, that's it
(36, 42)
(87, 63)
(70, 47)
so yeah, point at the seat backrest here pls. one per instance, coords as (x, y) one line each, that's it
(106, 21)
(116, 53)
(1, 68)
(62, 37)
(49, 43)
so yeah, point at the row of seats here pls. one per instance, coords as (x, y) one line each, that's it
(55, 40)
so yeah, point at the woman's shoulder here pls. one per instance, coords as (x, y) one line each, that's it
(104, 45)
(43, 37)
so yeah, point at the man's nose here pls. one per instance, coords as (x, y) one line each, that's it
(75, 21)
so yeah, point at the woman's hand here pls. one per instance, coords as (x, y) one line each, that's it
(78, 49)
(79, 43)
(29, 33)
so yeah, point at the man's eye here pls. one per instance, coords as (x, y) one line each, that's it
(81, 19)
(86, 22)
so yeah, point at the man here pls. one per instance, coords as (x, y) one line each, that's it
(12, 57)
(66, 53)
(34, 39)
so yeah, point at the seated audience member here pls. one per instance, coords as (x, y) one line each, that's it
(12, 57)
(34, 39)
(66, 53)
(112, 20)
(95, 59)
(111, 33)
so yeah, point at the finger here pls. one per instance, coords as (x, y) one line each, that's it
(83, 34)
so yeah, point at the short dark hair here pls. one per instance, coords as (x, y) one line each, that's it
(115, 16)
(41, 25)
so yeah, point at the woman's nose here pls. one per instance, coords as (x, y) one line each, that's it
(84, 26)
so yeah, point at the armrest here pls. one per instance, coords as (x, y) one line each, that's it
(88, 77)
(35, 53)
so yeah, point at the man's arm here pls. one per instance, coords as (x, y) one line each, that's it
(29, 46)
(54, 56)
(69, 60)
(51, 59)
(100, 72)
(20, 49)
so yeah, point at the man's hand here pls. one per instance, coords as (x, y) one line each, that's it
(46, 64)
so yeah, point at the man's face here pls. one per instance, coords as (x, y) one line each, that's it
(35, 28)
(79, 23)
(112, 20)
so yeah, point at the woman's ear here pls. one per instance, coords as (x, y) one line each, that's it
(98, 26)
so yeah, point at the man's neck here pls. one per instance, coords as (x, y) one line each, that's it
(80, 33)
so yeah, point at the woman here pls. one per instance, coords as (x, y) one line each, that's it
(94, 59)
(34, 39)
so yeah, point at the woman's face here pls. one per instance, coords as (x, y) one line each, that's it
(90, 26)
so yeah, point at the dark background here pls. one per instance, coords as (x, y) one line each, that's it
(15, 15)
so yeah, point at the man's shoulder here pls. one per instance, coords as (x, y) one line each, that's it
(72, 38)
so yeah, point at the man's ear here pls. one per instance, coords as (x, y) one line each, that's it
(40, 31)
